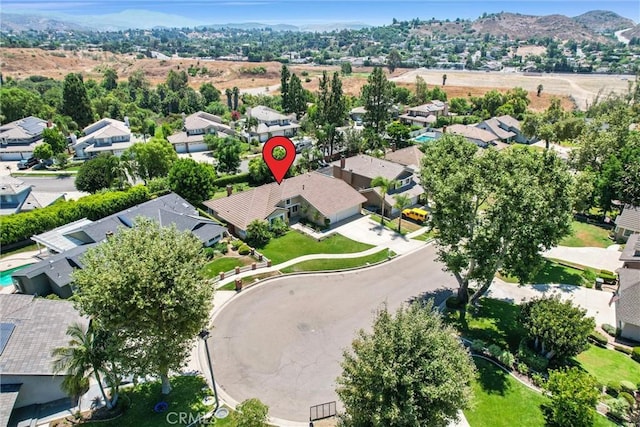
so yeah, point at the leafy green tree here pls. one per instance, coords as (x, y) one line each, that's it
(557, 328)
(410, 371)
(346, 68)
(376, 95)
(258, 233)
(399, 134)
(539, 90)
(385, 185)
(259, 172)
(459, 106)
(236, 94)
(151, 159)
(209, 93)
(192, 180)
(251, 413)
(110, 80)
(229, 95)
(43, 151)
(496, 210)
(177, 81)
(55, 139)
(331, 112)
(18, 103)
(422, 92)
(145, 284)
(62, 159)
(97, 173)
(402, 202)
(228, 154)
(394, 60)
(444, 79)
(84, 356)
(574, 395)
(297, 97)
(75, 101)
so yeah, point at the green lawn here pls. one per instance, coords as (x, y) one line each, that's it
(337, 264)
(587, 235)
(294, 244)
(187, 396)
(500, 400)
(494, 321)
(214, 268)
(552, 272)
(425, 236)
(609, 365)
(406, 226)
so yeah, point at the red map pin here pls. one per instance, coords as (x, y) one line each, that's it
(279, 167)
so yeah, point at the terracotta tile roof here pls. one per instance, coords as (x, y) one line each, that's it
(327, 194)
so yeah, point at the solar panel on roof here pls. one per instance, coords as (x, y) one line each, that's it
(32, 125)
(6, 329)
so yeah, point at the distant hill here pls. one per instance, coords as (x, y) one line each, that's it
(632, 33)
(604, 21)
(253, 26)
(19, 23)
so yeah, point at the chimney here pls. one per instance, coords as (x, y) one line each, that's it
(229, 190)
(49, 123)
(109, 234)
(347, 175)
(343, 162)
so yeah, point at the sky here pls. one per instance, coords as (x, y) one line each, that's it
(372, 12)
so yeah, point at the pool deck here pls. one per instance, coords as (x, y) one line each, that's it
(17, 260)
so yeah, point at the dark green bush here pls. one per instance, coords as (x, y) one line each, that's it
(495, 350)
(478, 345)
(635, 354)
(628, 397)
(611, 330)
(613, 388)
(532, 359)
(453, 302)
(627, 386)
(244, 250)
(221, 247)
(523, 369)
(231, 179)
(209, 252)
(598, 339)
(236, 244)
(622, 349)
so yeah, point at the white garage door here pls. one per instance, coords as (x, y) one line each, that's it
(15, 156)
(180, 148)
(196, 147)
(345, 214)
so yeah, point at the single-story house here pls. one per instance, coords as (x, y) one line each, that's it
(68, 243)
(318, 198)
(271, 123)
(16, 197)
(30, 328)
(480, 137)
(426, 114)
(194, 128)
(18, 139)
(628, 222)
(410, 156)
(358, 171)
(506, 128)
(105, 136)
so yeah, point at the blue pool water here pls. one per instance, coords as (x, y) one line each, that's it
(424, 138)
(5, 276)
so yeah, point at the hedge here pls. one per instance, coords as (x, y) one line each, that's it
(635, 354)
(231, 179)
(21, 226)
(622, 349)
(599, 339)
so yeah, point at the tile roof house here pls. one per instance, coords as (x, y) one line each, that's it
(104, 136)
(627, 297)
(358, 171)
(316, 197)
(271, 123)
(627, 222)
(506, 128)
(480, 137)
(426, 114)
(19, 138)
(69, 242)
(194, 128)
(30, 328)
(16, 197)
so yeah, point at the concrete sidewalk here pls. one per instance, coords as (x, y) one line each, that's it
(598, 258)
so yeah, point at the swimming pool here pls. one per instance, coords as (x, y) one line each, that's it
(5, 276)
(424, 138)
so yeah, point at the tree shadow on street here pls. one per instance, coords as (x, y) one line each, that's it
(437, 295)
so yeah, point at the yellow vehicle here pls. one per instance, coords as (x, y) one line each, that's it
(416, 214)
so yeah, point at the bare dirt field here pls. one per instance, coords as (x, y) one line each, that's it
(21, 63)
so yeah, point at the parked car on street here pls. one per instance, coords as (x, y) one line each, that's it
(27, 163)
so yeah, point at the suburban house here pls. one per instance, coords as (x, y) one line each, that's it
(18, 139)
(410, 156)
(16, 197)
(358, 171)
(271, 123)
(357, 113)
(627, 297)
(316, 197)
(426, 114)
(67, 244)
(628, 222)
(194, 128)
(105, 136)
(30, 328)
(506, 128)
(480, 137)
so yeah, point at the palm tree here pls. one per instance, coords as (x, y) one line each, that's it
(444, 79)
(229, 103)
(385, 185)
(236, 94)
(402, 202)
(75, 387)
(83, 357)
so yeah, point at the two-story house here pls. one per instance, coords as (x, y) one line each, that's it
(627, 296)
(358, 171)
(194, 129)
(18, 139)
(426, 114)
(105, 136)
(271, 123)
(506, 128)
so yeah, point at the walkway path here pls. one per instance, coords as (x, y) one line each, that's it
(598, 258)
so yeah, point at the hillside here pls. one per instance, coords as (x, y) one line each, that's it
(603, 21)
(632, 33)
(18, 23)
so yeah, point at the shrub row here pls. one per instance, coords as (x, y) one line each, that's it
(598, 339)
(231, 179)
(611, 330)
(21, 226)
(635, 354)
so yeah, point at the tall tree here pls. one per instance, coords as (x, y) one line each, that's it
(43, 151)
(539, 90)
(444, 79)
(297, 97)
(209, 93)
(145, 284)
(151, 159)
(394, 60)
(284, 88)
(236, 94)
(110, 79)
(331, 112)
(574, 395)
(385, 185)
(422, 91)
(399, 134)
(192, 180)
(376, 95)
(410, 371)
(177, 81)
(496, 210)
(75, 101)
(228, 155)
(229, 94)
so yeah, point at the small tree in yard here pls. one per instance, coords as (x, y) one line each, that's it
(62, 159)
(43, 151)
(258, 233)
(557, 329)
(410, 371)
(402, 202)
(251, 413)
(574, 395)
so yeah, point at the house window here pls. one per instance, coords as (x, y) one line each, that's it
(287, 202)
(294, 209)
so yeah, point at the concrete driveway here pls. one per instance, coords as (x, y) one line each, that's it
(599, 258)
(368, 231)
(282, 341)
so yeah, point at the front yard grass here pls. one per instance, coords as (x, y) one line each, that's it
(225, 263)
(337, 264)
(295, 244)
(406, 227)
(609, 365)
(426, 236)
(552, 272)
(587, 235)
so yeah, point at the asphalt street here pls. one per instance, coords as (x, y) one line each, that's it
(282, 342)
(50, 184)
